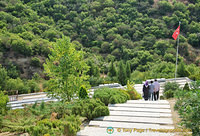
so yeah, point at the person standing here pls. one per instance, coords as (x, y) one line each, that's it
(146, 90)
(156, 89)
(151, 91)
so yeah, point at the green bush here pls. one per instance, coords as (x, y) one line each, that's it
(171, 86)
(69, 126)
(188, 107)
(134, 95)
(161, 97)
(33, 86)
(83, 93)
(108, 95)
(35, 62)
(17, 84)
(100, 111)
(89, 108)
(169, 94)
(3, 102)
(186, 87)
(128, 97)
(22, 47)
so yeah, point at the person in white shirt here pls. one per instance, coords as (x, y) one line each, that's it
(156, 89)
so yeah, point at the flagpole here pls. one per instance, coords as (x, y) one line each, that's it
(177, 54)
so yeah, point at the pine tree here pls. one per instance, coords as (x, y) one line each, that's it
(122, 73)
(112, 70)
(128, 70)
(83, 93)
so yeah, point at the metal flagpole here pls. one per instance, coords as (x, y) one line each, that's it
(177, 52)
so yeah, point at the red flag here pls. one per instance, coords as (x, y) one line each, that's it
(176, 33)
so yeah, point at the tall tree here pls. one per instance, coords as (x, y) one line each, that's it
(128, 70)
(112, 70)
(66, 69)
(3, 77)
(122, 73)
(92, 69)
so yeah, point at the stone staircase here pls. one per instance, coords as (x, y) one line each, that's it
(133, 115)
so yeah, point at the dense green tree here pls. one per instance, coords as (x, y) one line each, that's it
(182, 71)
(128, 70)
(112, 70)
(194, 40)
(3, 104)
(122, 77)
(3, 77)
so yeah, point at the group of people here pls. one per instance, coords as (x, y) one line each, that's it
(151, 91)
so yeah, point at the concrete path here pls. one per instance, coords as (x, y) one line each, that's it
(133, 118)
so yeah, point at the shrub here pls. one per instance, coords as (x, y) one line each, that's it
(171, 86)
(188, 106)
(100, 111)
(3, 102)
(128, 97)
(83, 93)
(134, 95)
(169, 94)
(161, 97)
(69, 126)
(89, 108)
(195, 85)
(22, 47)
(186, 87)
(108, 95)
(95, 81)
(17, 84)
(33, 86)
(35, 62)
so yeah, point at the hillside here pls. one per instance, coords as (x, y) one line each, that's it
(134, 31)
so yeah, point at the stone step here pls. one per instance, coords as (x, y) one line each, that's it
(140, 105)
(139, 114)
(140, 109)
(148, 102)
(93, 131)
(106, 124)
(164, 121)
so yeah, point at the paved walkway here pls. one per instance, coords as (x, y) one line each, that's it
(131, 118)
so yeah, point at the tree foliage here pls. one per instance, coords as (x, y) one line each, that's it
(66, 69)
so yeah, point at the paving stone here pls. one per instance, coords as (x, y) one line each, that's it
(165, 121)
(93, 131)
(139, 114)
(139, 109)
(140, 105)
(129, 125)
